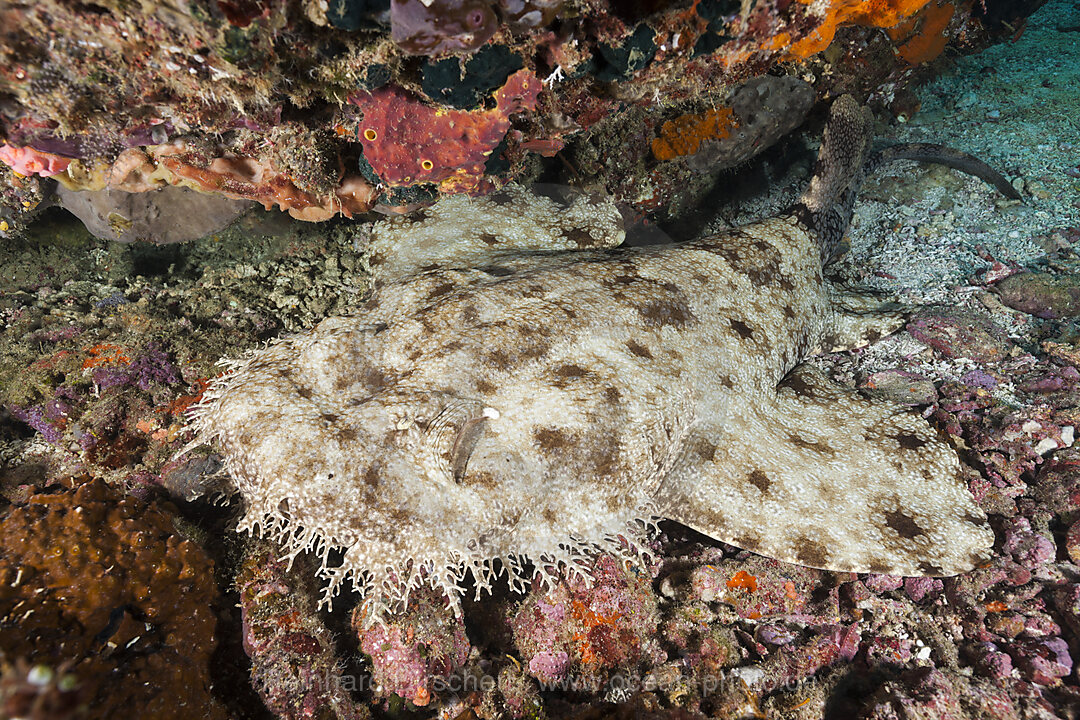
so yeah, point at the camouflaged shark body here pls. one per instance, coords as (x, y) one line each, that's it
(501, 401)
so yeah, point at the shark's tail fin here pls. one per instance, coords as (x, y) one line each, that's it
(942, 155)
(845, 160)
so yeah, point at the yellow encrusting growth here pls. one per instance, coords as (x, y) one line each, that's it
(870, 13)
(684, 135)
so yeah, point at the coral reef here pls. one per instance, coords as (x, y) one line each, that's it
(103, 584)
(294, 666)
(265, 84)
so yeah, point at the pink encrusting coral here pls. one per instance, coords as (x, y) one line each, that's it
(408, 141)
(580, 634)
(417, 648)
(28, 161)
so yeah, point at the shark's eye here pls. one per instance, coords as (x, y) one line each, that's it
(454, 433)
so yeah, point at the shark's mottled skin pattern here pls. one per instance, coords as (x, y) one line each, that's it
(505, 402)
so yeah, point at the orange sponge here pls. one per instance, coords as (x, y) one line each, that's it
(684, 135)
(872, 13)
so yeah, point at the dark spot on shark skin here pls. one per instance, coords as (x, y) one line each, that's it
(346, 435)
(909, 441)
(501, 198)
(789, 313)
(497, 271)
(328, 418)
(731, 254)
(535, 349)
(879, 567)
(760, 480)
(744, 330)
(304, 392)
(371, 476)
(499, 359)
(470, 314)
(761, 265)
(489, 239)
(797, 385)
(399, 516)
(604, 456)
(904, 524)
(811, 552)
(614, 503)
(580, 237)
(534, 290)
(705, 449)
(544, 331)
(612, 395)
(440, 289)
(747, 542)
(571, 371)
(726, 381)
(638, 349)
(805, 444)
(929, 568)
(659, 313)
(485, 387)
(566, 374)
(481, 479)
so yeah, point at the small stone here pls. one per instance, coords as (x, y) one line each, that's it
(884, 583)
(1043, 662)
(993, 662)
(962, 337)
(1040, 294)
(900, 386)
(1072, 542)
(923, 588)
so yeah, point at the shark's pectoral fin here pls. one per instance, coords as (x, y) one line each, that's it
(821, 476)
